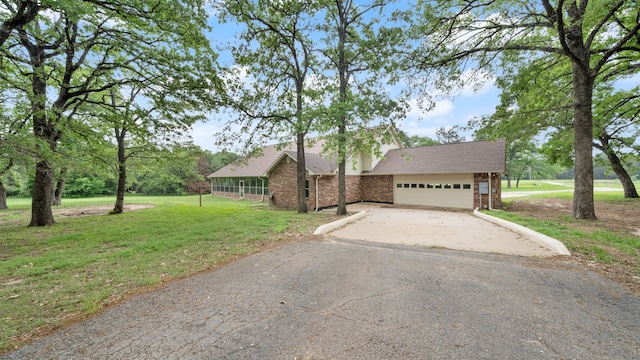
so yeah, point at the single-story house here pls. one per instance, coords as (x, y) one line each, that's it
(461, 175)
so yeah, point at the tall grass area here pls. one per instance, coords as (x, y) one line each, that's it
(82, 264)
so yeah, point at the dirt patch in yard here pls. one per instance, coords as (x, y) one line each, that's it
(96, 210)
(620, 218)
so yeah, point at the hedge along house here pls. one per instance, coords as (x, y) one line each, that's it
(450, 176)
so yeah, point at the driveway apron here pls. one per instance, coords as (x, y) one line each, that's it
(342, 299)
(434, 228)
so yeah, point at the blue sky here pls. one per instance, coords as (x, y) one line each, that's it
(447, 112)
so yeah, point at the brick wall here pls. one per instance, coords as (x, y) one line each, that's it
(496, 189)
(235, 195)
(282, 183)
(378, 188)
(328, 195)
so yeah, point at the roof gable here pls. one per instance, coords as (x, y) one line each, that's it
(466, 157)
(259, 166)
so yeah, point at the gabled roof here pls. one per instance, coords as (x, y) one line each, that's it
(466, 157)
(261, 164)
(315, 163)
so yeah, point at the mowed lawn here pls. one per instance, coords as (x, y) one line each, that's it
(53, 275)
(557, 185)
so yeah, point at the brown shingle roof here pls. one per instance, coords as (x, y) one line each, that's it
(258, 166)
(316, 164)
(467, 157)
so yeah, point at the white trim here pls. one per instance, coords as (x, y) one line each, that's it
(318, 192)
(490, 193)
(323, 229)
(541, 239)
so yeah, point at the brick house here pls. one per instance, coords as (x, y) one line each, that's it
(458, 175)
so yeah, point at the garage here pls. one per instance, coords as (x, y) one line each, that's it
(460, 176)
(441, 190)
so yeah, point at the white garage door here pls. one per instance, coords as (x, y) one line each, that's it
(447, 190)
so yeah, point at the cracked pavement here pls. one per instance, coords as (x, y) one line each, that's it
(341, 299)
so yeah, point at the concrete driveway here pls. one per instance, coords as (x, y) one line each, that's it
(457, 230)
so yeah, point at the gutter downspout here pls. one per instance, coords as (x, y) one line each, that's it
(490, 193)
(317, 192)
(262, 198)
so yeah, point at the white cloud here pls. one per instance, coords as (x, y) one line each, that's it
(202, 135)
(420, 110)
(477, 82)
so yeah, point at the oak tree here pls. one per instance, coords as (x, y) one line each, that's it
(598, 38)
(73, 50)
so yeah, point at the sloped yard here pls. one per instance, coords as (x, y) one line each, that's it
(53, 276)
(610, 245)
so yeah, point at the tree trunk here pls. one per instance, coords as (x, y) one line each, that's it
(342, 188)
(583, 203)
(57, 194)
(508, 181)
(342, 120)
(122, 182)
(627, 183)
(46, 132)
(3, 190)
(583, 81)
(3, 197)
(122, 171)
(41, 214)
(301, 174)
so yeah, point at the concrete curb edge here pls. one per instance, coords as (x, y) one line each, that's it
(541, 239)
(323, 229)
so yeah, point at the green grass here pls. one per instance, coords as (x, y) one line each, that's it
(589, 242)
(82, 264)
(536, 185)
(552, 185)
(616, 197)
(600, 245)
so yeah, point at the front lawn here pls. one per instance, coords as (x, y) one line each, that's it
(54, 275)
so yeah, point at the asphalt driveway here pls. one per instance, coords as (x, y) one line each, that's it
(341, 299)
(459, 230)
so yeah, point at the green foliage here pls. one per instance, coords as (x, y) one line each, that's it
(449, 136)
(168, 174)
(67, 56)
(161, 183)
(220, 159)
(272, 94)
(551, 56)
(17, 182)
(88, 185)
(415, 140)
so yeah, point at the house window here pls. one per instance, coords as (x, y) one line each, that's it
(251, 185)
(406, 185)
(438, 186)
(398, 185)
(456, 186)
(414, 186)
(429, 186)
(447, 186)
(466, 186)
(306, 189)
(421, 186)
